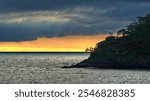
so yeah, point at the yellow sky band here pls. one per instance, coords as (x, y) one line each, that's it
(57, 44)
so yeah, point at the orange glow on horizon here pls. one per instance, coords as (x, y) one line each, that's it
(56, 44)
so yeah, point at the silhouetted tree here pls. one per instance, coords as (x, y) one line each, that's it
(91, 49)
(122, 32)
(140, 28)
(111, 33)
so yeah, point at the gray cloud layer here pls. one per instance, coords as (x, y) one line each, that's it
(30, 19)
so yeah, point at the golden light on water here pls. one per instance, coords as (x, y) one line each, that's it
(57, 44)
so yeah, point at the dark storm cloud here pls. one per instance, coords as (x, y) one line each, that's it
(30, 19)
(28, 5)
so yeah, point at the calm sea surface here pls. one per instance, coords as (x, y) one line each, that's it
(46, 68)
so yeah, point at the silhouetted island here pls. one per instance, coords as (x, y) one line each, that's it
(130, 49)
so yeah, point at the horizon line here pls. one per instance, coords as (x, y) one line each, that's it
(45, 52)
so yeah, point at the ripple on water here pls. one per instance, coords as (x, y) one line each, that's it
(45, 68)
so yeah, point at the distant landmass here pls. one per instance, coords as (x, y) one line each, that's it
(129, 49)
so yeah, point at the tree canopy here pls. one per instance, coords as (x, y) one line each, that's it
(139, 29)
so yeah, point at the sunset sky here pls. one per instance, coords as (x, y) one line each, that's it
(63, 25)
(56, 44)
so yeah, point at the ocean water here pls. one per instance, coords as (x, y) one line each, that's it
(45, 68)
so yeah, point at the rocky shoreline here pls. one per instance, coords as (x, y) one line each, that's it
(86, 64)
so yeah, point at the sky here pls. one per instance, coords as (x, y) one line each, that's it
(63, 25)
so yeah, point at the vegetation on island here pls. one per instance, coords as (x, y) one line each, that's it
(130, 49)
